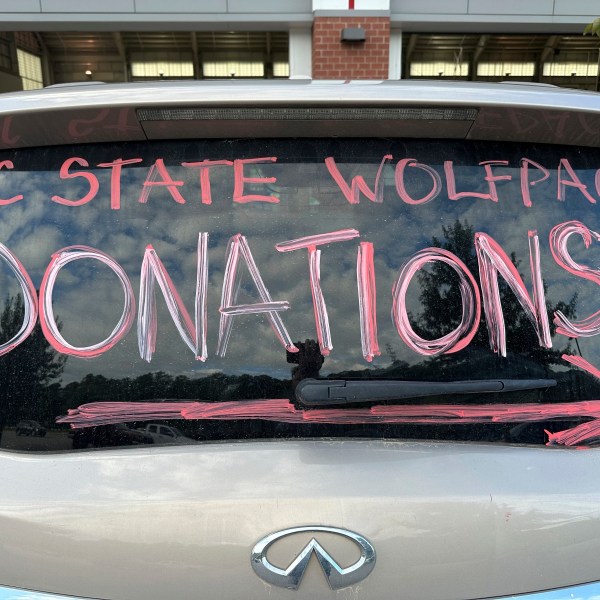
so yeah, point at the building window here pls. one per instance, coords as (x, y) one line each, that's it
(281, 69)
(30, 70)
(159, 69)
(570, 69)
(505, 69)
(6, 63)
(439, 69)
(230, 68)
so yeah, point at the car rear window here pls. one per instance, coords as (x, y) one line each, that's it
(198, 285)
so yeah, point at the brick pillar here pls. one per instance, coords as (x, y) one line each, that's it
(334, 59)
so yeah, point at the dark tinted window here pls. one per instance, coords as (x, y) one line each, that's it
(341, 259)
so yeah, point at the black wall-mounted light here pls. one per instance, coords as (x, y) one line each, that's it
(353, 34)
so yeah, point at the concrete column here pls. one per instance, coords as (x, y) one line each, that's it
(395, 71)
(300, 53)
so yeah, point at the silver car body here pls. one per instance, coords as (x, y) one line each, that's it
(448, 520)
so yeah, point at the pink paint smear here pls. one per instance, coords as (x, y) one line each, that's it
(281, 410)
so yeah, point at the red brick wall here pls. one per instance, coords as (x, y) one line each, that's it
(334, 59)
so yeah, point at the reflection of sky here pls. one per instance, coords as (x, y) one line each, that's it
(88, 298)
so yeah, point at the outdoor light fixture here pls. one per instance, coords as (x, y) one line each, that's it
(353, 34)
(88, 74)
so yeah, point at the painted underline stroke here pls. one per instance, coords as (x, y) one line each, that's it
(281, 410)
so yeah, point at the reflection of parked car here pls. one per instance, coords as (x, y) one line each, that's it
(30, 428)
(165, 434)
(109, 435)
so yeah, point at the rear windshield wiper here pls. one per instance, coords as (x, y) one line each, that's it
(323, 392)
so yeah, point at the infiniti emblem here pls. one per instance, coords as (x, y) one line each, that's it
(338, 577)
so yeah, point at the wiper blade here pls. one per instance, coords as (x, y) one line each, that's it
(324, 392)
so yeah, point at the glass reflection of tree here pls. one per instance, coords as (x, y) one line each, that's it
(28, 374)
(441, 296)
(160, 387)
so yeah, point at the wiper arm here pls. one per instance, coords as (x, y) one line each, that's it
(323, 392)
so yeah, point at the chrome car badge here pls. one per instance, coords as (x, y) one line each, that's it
(338, 577)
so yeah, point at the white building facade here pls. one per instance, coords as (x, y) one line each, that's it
(56, 41)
